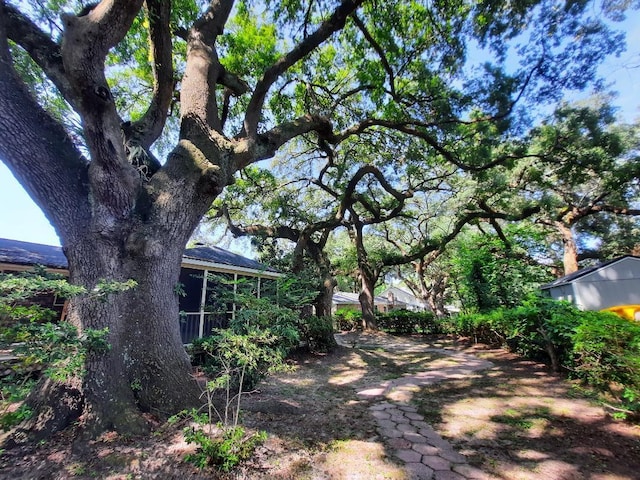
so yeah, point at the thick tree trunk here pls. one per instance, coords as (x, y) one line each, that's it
(146, 368)
(570, 249)
(367, 305)
(435, 300)
(324, 300)
(433, 294)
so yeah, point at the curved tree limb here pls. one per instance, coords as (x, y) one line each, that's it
(380, 51)
(440, 244)
(39, 152)
(349, 198)
(331, 25)
(417, 129)
(44, 51)
(86, 41)
(198, 105)
(233, 82)
(268, 143)
(279, 231)
(147, 130)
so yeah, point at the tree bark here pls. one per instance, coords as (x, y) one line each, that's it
(433, 294)
(570, 249)
(324, 301)
(367, 299)
(146, 368)
(368, 277)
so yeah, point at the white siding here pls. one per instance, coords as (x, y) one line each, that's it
(563, 292)
(615, 284)
(607, 293)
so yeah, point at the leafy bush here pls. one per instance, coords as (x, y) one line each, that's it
(317, 332)
(607, 356)
(246, 357)
(238, 361)
(406, 322)
(263, 315)
(598, 347)
(540, 328)
(347, 319)
(226, 451)
(56, 350)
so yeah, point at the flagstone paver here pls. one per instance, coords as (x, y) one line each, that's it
(426, 455)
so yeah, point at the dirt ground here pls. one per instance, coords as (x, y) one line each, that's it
(515, 421)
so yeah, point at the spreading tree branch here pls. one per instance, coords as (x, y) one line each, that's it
(146, 130)
(333, 24)
(380, 51)
(198, 105)
(267, 143)
(38, 151)
(44, 51)
(418, 130)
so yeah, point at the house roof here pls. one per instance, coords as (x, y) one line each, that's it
(26, 253)
(224, 257)
(347, 298)
(408, 298)
(584, 272)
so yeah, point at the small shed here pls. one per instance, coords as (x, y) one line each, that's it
(611, 283)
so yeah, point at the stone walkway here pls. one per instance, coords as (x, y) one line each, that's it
(427, 456)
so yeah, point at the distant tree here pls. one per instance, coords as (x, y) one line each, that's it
(260, 206)
(585, 172)
(496, 269)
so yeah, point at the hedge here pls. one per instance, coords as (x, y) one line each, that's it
(600, 348)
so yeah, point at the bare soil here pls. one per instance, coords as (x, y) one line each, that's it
(515, 421)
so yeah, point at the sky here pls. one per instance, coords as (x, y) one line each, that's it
(22, 219)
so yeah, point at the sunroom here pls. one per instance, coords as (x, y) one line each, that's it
(210, 279)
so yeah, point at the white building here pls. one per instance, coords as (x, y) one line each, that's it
(609, 284)
(401, 299)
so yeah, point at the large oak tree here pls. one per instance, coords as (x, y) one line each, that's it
(584, 172)
(86, 96)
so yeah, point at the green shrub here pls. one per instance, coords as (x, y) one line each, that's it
(607, 356)
(239, 360)
(317, 332)
(264, 315)
(274, 329)
(482, 327)
(56, 350)
(347, 319)
(406, 322)
(226, 451)
(600, 348)
(247, 357)
(9, 419)
(540, 328)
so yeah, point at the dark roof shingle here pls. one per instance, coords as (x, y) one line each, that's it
(224, 257)
(26, 253)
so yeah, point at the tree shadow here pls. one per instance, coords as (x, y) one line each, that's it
(519, 419)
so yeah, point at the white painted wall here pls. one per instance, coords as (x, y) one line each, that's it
(614, 284)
